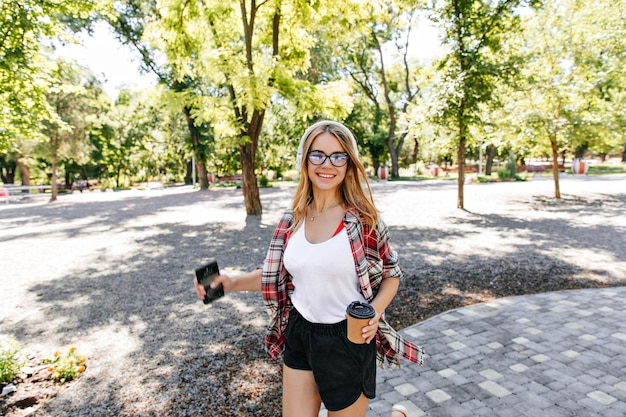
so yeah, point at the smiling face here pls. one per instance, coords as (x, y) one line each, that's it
(326, 177)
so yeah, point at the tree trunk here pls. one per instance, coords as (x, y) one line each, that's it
(25, 172)
(393, 155)
(375, 164)
(461, 156)
(53, 160)
(10, 167)
(194, 136)
(461, 165)
(393, 150)
(491, 154)
(415, 151)
(249, 185)
(555, 166)
(188, 173)
(580, 150)
(461, 39)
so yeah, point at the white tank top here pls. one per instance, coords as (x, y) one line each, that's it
(324, 276)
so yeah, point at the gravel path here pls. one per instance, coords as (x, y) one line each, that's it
(112, 273)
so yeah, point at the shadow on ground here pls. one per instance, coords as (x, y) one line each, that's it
(180, 358)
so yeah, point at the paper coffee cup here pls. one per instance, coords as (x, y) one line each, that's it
(359, 315)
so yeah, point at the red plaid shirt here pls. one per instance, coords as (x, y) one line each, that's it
(374, 260)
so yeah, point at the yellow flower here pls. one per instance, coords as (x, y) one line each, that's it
(50, 368)
(82, 368)
(71, 361)
(56, 375)
(83, 359)
(72, 349)
(56, 354)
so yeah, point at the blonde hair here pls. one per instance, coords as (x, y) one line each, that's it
(354, 185)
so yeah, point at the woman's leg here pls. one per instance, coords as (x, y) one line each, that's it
(399, 411)
(357, 409)
(300, 395)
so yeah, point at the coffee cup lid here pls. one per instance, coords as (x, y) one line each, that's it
(360, 310)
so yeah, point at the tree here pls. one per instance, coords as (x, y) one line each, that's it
(570, 100)
(245, 52)
(389, 85)
(598, 44)
(473, 32)
(25, 27)
(71, 101)
(132, 22)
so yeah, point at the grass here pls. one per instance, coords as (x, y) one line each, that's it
(606, 169)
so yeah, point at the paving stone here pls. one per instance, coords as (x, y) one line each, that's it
(468, 312)
(448, 372)
(457, 345)
(609, 379)
(552, 354)
(570, 353)
(438, 396)
(589, 380)
(519, 367)
(583, 312)
(560, 376)
(521, 340)
(494, 389)
(602, 397)
(414, 333)
(406, 389)
(532, 330)
(449, 317)
(592, 404)
(491, 374)
(619, 336)
(495, 345)
(540, 358)
(449, 332)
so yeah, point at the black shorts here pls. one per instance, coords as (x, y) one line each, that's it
(342, 369)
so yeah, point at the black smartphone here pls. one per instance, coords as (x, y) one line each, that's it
(205, 275)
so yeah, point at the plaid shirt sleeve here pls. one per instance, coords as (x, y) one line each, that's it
(277, 288)
(375, 262)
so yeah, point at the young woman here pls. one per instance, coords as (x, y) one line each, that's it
(329, 249)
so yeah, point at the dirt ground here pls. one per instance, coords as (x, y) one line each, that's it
(111, 272)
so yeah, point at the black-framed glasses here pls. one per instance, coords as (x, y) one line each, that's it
(337, 159)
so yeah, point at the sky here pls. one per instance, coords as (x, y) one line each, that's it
(117, 65)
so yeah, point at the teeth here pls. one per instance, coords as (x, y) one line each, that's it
(326, 176)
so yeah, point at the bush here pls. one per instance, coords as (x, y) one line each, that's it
(504, 174)
(264, 182)
(66, 367)
(11, 359)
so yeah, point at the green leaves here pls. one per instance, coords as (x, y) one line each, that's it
(26, 27)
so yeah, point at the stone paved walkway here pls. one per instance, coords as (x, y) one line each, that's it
(552, 354)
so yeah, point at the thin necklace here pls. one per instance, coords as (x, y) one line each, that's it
(323, 211)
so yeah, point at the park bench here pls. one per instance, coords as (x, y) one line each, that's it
(236, 178)
(535, 168)
(9, 192)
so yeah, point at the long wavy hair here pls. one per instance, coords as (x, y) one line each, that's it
(355, 188)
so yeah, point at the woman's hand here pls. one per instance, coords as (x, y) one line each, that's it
(369, 331)
(225, 280)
